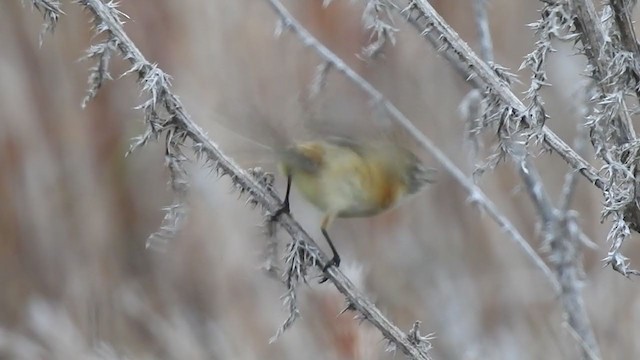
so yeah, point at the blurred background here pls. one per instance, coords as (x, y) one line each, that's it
(77, 282)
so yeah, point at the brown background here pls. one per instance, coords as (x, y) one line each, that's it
(76, 280)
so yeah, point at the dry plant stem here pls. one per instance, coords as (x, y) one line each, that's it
(482, 26)
(563, 235)
(263, 196)
(565, 255)
(476, 195)
(622, 12)
(590, 27)
(564, 240)
(559, 226)
(593, 38)
(614, 71)
(51, 11)
(526, 169)
(423, 16)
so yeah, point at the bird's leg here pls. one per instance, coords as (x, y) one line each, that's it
(335, 260)
(284, 209)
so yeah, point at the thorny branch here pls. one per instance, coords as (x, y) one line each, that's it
(165, 114)
(622, 12)
(376, 18)
(617, 184)
(476, 195)
(608, 72)
(51, 12)
(611, 49)
(560, 230)
(423, 16)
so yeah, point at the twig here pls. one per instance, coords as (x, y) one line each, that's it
(560, 228)
(591, 355)
(423, 16)
(618, 198)
(51, 12)
(622, 14)
(471, 106)
(614, 70)
(265, 196)
(571, 180)
(590, 27)
(483, 31)
(563, 238)
(526, 169)
(376, 18)
(476, 195)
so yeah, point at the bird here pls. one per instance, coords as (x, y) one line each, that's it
(346, 178)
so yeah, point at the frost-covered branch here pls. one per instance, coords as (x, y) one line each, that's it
(561, 232)
(51, 12)
(425, 19)
(609, 44)
(617, 183)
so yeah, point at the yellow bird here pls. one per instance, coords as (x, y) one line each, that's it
(347, 178)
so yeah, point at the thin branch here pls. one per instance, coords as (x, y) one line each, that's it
(591, 29)
(560, 228)
(51, 12)
(526, 169)
(483, 31)
(535, 188)
(259, 193)
(622, 10)
(571, 180)
(566, 240)
(563, 238)
(376, 18)
(423, 16)
(476, 195)
(618, 198)
(593, 38)
(471, 106)
(622, 13)
(613, 68)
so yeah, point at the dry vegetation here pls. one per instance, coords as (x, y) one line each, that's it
(502, 258)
